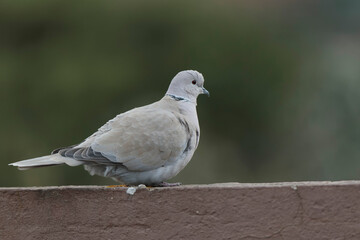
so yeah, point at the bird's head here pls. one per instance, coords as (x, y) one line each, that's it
(187, 84)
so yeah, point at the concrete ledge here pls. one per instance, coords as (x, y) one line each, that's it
(298, 210)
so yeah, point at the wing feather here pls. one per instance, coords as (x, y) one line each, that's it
(143, 140)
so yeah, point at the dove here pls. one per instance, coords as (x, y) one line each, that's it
(146, 145)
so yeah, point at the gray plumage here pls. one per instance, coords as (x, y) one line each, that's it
(146, 145)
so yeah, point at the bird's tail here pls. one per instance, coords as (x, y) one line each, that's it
(50, 160)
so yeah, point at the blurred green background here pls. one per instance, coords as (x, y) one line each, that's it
(284, 78)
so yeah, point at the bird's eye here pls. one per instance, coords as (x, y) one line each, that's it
(194, 82)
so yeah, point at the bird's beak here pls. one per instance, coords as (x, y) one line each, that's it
(205, 92)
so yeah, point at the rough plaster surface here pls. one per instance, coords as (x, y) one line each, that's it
(299, 210)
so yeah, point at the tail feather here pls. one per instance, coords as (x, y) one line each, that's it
(45, 161)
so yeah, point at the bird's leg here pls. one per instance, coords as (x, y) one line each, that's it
(166, 184)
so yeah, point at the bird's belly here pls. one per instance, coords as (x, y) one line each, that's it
(152, 176)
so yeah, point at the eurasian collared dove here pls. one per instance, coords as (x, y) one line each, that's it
(146, 145)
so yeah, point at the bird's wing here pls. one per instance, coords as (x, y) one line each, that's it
(143, 139)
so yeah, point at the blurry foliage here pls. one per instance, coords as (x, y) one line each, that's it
(284, 79)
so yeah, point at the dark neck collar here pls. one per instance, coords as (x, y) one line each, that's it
(177, 98)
